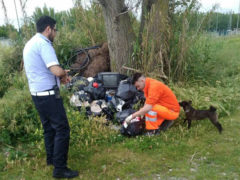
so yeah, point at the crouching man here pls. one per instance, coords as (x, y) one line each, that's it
(161, 105)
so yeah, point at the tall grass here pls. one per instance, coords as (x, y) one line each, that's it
(19, 120)
(173, 44)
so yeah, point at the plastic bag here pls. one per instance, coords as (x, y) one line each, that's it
(95, 89)
(116, 103)
(97, 106)
(126, 90)
(134, 128)
(122, 115)
(80, 98)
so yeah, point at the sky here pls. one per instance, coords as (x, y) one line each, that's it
(224, 5)
(60, 5)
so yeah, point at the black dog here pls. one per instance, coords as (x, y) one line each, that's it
(193, 114)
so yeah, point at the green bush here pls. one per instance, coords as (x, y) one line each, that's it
(10, 63)
(4, 75)
(200, 61)
(18, 117)
(4, 82)
(87, 132)
(11, 59)
(225, 99)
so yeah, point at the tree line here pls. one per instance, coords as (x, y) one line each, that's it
(160, 42)
(217, 21)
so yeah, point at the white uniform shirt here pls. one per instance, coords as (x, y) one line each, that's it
(38, 56)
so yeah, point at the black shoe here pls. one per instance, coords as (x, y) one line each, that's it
(65, 173)
(165, 125)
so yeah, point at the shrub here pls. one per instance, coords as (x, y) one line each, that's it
(18, 117)
(11, 59)
(4, 82)
(200, 61)
(4, 76)
(202, 96)
(10, 62)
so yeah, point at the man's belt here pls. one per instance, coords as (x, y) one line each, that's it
(43, 93)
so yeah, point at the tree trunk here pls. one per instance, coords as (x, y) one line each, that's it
(146, 8)
(155, 40)
(119, 31)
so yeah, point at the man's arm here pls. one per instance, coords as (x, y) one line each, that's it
(57, 71)
(142, 111)
(60, 72)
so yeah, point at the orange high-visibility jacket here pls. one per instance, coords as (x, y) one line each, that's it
(156, 92)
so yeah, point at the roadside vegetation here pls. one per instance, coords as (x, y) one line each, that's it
(204, 69)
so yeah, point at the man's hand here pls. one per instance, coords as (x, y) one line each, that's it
(65, 79)
(128, 119)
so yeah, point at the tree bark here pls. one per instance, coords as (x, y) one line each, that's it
(146, 8)
(119, 31)
(155, 40)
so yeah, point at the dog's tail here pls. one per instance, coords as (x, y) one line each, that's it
(212, 109)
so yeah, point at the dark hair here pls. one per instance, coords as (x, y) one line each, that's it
(44, 22)
(136, 76)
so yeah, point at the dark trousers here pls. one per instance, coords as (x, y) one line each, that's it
(56, 129)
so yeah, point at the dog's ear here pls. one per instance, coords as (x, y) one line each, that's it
(183, 103)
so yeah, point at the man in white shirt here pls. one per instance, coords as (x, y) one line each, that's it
(44, 75)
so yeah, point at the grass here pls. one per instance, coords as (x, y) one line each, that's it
(199, 153)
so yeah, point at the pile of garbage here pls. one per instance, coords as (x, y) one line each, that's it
(111, 95)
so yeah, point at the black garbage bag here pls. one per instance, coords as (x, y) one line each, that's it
(126, 90)
(136, 127)
(138, 98)
(109, 113)
(77, 83)
(122, 115)
(99, 108)
(84, 96)
(116, 103)
(95, 89)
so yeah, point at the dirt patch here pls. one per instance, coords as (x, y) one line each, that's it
(98, 61)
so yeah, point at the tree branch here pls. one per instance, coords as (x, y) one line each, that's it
(129, 9)
(136, 70)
